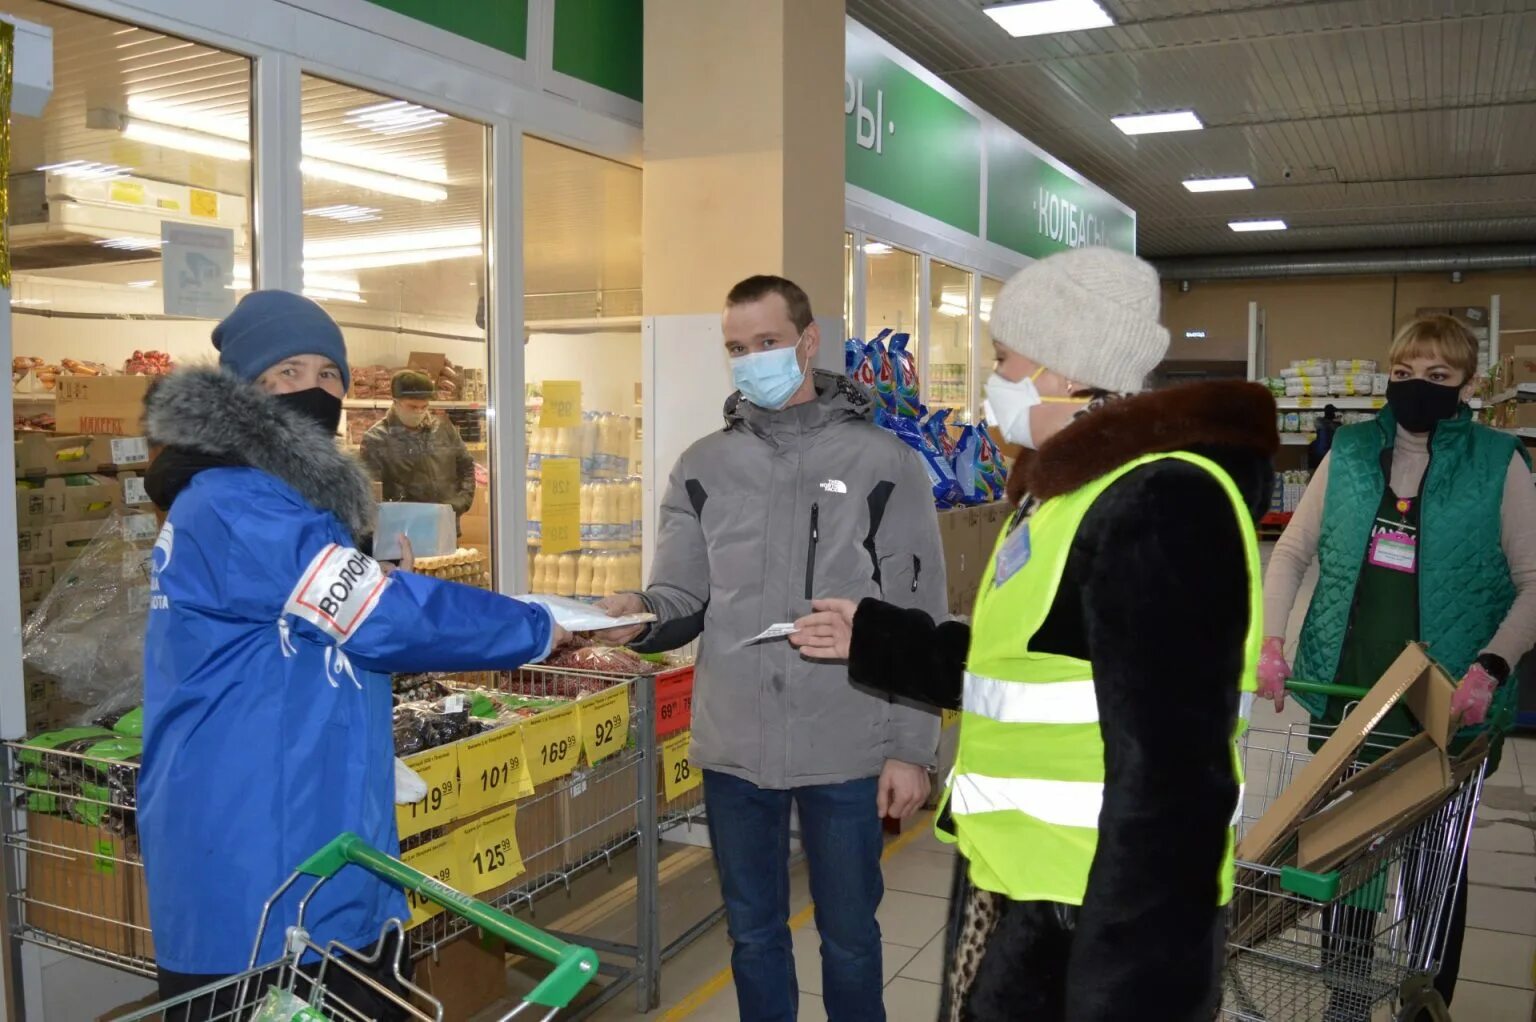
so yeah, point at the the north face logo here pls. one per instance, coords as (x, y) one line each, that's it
(835, 486)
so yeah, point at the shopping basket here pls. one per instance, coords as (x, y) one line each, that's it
(314, 983)
(1360, 942)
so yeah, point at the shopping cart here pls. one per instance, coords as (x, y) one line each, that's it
(1361, 942)
(294, 983)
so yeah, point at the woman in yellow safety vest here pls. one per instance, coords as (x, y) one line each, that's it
(1104, 672)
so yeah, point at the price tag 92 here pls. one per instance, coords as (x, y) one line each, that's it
(605, 722)
(552, 744)
(491, 856)
(678, 775)
(440, 860)
(493, 771)
(440, 769)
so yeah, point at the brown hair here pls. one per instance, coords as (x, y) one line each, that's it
(1444, 337)
(755, 289)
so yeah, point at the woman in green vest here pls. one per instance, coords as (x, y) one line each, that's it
(1423, 525)
(1104, 672)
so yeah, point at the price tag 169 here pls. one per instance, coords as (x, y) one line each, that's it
(605, 722)
(491, 856)
(493, 771)
(441, 861)
(440, 769)
(551, 744)
(678, 775)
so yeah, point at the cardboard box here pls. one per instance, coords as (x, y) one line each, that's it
(44, 454)
(34, 546)
(110, 405)
(466, 976)
(1520, 366)
(601, 812)
(36, 580)
(540, 831)
(31, 505)
(71, 538)
(1424, 688)
(77, 885)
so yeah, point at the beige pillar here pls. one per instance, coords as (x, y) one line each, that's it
(743, 150)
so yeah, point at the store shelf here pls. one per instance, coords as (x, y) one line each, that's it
(1297, 439)
(1523, 432)
(1343, 404)
(1524, 392)
(383, 404)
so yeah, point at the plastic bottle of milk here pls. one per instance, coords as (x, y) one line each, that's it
(602, 575)
(584, 565)
(565, 584)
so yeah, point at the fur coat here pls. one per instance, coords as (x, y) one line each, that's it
(1156, 596)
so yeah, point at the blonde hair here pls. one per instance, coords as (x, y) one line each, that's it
(1444, 337)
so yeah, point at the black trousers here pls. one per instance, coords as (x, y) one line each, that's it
(223, 1006)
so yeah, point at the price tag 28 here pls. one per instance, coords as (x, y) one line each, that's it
(562, 404)
(552, 744)
(440, 769)
(605, 722)
(560, 496)
(493, 770)
(441, 861)
(491, 856)
(678, 775)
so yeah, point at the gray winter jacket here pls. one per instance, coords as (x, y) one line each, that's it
(780, 507)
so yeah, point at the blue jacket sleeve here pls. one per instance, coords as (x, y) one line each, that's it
(292, 570)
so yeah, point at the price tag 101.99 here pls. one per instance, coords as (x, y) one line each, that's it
(493, 770)
(605, 722)
(441, 861)
(551, 744)
(678, 775)
(491, 856)
(440, 769)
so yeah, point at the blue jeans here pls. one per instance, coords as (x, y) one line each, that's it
(841, 835)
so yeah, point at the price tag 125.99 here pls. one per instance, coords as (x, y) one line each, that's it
(678, 775)
(605, 722)
(440, 769)
(491, 856)
(551, 744)
(493, 771)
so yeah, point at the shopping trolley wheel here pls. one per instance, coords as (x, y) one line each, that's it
(1421, 1002)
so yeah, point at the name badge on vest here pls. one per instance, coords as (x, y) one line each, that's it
(1012, 556)
(1396, 551)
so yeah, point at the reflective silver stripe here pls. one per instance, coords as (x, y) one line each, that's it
(1062, 803)
(1015, 702)
(1237, 815)
(1245, 708)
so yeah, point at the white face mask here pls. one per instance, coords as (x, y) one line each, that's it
(1009, 404)
(410, 419)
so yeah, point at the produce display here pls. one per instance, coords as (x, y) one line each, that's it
(147, 363)
(46, 373)
(87, 774)
(1322, 377)
(963, 470)
(373, 382)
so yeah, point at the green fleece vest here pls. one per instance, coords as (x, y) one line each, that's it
(1465, 588)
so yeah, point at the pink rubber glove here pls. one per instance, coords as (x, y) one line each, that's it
(1274, 672)
(1471, 698)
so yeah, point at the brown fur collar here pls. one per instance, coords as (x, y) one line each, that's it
(1219, 414)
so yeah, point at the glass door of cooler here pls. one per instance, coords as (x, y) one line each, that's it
(987, 294)
(890, 290)
(581, 257)
(950, 351)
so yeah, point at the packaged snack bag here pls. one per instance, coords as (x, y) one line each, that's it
(906, 386)
(857, 365)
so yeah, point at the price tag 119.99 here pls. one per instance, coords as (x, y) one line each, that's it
(493, 771)
(678, 775)
(440, 769)
(605, 722)
(491, 856)
(441, 861)
(551, 744)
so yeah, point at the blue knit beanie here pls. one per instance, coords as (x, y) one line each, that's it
(270, 326)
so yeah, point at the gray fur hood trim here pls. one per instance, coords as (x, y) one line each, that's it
(215, 413)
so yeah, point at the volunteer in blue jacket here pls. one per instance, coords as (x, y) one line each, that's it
(271, 639)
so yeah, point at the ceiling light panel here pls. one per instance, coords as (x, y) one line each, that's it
(1219, 184)
(87, 170)
(395, 118)
(347, 214)
(1247, 226)
(1155, 124)
(1048, 17)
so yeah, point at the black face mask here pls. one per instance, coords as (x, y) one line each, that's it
(317, 405)
(1421, 405)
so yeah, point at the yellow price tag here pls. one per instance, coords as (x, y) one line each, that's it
(205, 204)
(491, 857)
(442, 861)
(605, 722)
(678, 775)
(1303, 402)
(552, 744)
(560, 500)
(130, 193)
(440, 769)
(949, 718)
(492, 771)
(562, 404)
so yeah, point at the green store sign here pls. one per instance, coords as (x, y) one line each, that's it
(1036, 209)
(499, 24)
(908, 142)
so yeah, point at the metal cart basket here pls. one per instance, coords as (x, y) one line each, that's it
(1363, 941)
(307, 984)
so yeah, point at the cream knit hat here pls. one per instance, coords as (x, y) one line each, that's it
(1089, 314)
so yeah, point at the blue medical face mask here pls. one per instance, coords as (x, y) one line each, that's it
(769, 378)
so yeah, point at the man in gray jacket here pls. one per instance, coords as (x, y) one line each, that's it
(801, 496)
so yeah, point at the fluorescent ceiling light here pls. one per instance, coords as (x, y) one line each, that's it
(321, 294)
(402, 241)
(1219, 184)
(1152, 124)
(195, 142)
(86, 170)
(382, 259)
(396, 117)
(1243, 226)
(372, 180)
(347, 214)
(876, 248)
(130, 244)
(143, 283)
(1046, 17)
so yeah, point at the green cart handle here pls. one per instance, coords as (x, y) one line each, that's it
(574, 966)
(1324, 689)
